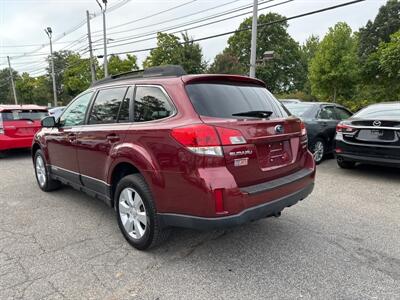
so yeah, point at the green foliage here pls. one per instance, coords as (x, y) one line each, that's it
(333, 71)
(226, 63)
(386, 23)
(5, 86)
(285, 73)
(389, 57)
(77, 76)
(117, 65)
(172, 51)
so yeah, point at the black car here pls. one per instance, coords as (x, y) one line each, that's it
(321, 120)
(370, 136)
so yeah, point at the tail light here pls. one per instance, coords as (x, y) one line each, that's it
(342, 127)
(1, 125)
(303, 138)
(303, 128)
(207, 140)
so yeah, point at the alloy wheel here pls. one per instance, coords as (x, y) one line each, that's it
(40, 171)
(318, 151)
(132, 213)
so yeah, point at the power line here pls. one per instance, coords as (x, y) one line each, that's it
(150, 16)
(193, 27)
(73, 29)
(195, 13)
(249, 27)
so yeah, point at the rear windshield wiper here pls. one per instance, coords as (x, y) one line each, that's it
(255, 113)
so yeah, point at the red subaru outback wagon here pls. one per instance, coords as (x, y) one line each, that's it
(166, 149)
(18, 125)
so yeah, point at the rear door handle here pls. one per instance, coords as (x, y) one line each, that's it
(113, 138)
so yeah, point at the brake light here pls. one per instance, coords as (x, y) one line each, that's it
(341, 127)
(230, 136)
(207, 140)
(303, 128)
(200, 139)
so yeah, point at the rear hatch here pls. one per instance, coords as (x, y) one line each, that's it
(21, 123)
(273, 145)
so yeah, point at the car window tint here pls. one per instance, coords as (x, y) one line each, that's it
(223, 100)
(327, 113)
(342, 113)
(18, 114)
(106, 106)
(74, 114)
(151, 104)
(123, 115)
(386, 111)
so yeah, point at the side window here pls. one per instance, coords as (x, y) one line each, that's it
(327, 113)
(342, 113)
(106, 106)
(74, 115)
(123, 115)
(151, 104)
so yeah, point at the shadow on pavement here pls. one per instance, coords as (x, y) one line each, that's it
(15, 154)
(375, 171)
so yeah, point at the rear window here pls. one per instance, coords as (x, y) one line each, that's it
(223, 100)
(15, 115)
(380, 111)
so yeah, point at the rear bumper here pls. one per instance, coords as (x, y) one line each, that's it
(264, 210)
(369, 159)
(387, 156)
(7, 143)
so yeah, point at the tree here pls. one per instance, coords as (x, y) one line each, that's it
(76, 77)
(333, 70)
(308, 51)
(386, 23)
(117, 65)
(172, 51)
(5, 86)
(60, 65)
(285, 73)
(389, 64)
(226, 63)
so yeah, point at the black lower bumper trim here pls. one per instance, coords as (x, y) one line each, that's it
(251, 214)
(369, 159)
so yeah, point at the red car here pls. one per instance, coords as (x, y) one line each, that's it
(167, 149)
(18, 125)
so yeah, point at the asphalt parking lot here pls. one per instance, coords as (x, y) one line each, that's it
(342, 242)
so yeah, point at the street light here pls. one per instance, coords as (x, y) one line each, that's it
(49, 33)
(103, 10)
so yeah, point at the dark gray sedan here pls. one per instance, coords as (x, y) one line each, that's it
(321, 119)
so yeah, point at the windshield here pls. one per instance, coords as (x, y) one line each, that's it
(298, 109)
(15, 115)
(225, 100)
(380, 111)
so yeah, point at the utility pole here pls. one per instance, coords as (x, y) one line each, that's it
(92, 66)
(253, 51)
(12, 80)
(49, 34)
(103, 10)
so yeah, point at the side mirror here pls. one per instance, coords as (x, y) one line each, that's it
(48, 122)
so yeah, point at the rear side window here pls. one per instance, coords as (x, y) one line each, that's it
(151, 103)
(107, 106)
(327, 113)
(224, 100)
(342, 113)
(15, 115)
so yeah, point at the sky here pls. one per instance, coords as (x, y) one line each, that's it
(22, 24)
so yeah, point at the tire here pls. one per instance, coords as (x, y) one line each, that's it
(2, 154)
(318, 150)
(345, 164)
(45, 182)
(135, 205)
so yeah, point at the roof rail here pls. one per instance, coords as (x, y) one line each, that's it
(159, 71)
